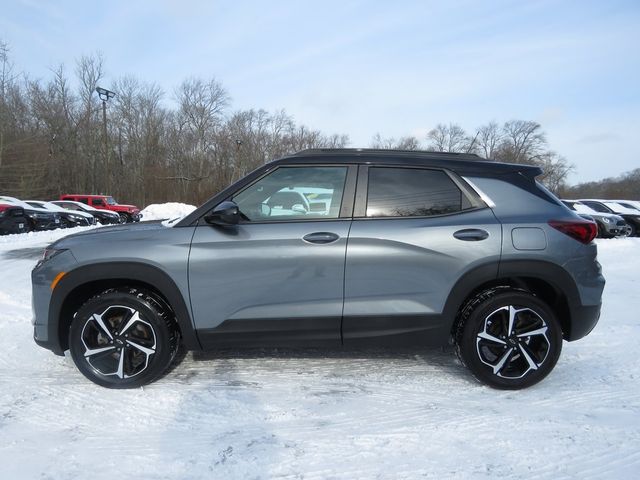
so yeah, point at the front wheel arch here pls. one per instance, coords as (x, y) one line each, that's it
(81, 284)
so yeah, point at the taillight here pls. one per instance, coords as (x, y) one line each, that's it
(582, 230)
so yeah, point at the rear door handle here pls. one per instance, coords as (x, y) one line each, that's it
(471, 234)
(321, 237)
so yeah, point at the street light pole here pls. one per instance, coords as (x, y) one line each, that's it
(105, 95)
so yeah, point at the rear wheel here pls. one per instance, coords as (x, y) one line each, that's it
(123, 338)
(508, 339)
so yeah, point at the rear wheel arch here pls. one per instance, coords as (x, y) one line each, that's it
(549, 282)
(77, 286)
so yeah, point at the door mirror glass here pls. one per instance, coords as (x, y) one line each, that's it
(225, 214)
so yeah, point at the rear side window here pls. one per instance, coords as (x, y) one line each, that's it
(83, 200)
(412, 192)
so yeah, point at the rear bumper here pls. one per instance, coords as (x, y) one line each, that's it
(584, 320)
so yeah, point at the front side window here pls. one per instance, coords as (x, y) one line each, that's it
(412, 192)
(294, 193)
(97, 201)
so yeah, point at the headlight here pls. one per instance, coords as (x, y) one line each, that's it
(50, 252)
(606, 220)
(77, 218)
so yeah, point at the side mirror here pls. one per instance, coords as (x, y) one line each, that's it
(225, 214)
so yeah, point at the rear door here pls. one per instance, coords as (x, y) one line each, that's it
(415, 232)
(278, 276)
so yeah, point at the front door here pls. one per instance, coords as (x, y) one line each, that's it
(277, 277)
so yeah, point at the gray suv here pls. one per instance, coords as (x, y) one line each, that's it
(387, 248)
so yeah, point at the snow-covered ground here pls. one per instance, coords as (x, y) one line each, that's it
(318, 414)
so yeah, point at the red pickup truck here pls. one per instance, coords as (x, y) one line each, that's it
(128, 213)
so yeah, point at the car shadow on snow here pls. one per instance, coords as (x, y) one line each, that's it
(24, 253)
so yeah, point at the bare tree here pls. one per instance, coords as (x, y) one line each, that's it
(7, 78)
(555, 170)
(489, 138)
(449, 138)
(523, 141)
(402, 143)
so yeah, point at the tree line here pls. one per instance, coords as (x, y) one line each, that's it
(622, 187)
(53, 138)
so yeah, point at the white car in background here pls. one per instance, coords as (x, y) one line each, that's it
(630, 215)
(68, 218)
(609, 224)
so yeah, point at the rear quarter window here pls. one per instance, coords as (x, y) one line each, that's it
(412, 192)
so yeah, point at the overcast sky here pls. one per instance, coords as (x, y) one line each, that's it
(356, 67)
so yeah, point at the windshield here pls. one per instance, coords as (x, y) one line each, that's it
(628, 205)
(598, 207)
(111, 201)
(580, 208)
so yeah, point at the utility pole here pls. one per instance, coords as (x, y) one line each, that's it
(105, 95)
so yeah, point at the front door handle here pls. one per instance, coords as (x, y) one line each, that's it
(321, 237)
(471, 234)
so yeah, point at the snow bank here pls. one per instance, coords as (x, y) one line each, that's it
(164, 211)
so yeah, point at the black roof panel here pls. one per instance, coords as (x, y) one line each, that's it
(461, 163)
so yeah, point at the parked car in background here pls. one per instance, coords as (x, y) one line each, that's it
(104, 217)
(128, 213)
(634, 204)
(68, 218)
(39, 218)
(13, 220)
(630, 215)
(609, 224)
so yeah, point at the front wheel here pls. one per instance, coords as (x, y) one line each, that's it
(123, 338)
(508, 339)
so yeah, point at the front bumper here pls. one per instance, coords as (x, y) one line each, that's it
(46, 224)
(45, 332)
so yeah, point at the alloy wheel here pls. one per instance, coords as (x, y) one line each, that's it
(118, 342)
(513, 341)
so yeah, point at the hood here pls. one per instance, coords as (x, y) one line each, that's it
(123, 207)
(611, 216)
(114, 230)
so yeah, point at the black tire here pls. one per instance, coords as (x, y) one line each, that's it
(508, 361)
(133, 350)
(633, 231)
(124, 218)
